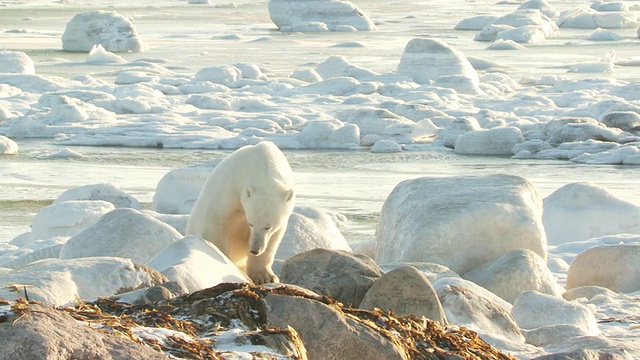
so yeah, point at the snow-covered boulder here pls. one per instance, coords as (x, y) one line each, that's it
(589, 18)
(224, 75)
(541, 5)
(16, 62)
(425, 60)
(8, 146)
(533, 310)
(105, 192)
(475, 23)
(615, 267)
(529, 18)
(108, 28)
(572, 132)
(386, 146)
(337, 66)
(467, 304)
(373, 121)
(57, 282)
(318, 15)
(496, 141)
(460, 222)
(329, 134)
(513, 273)
(67, 218)
(309, 229)
(449, 135)
(178, 189)
(567, 210)
(624, 120)
(32, 252)
(125, 233)
(197, 264)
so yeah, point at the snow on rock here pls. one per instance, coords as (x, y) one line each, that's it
(227, 75)
(197, 264)
(318, 15)
(67, 218)
(502, 44)
(98, 55)
(329, 134)
(531, 34)
(113, 31)
(373, 121)
(425, 60)
(105, 192)
(469, 305)
(38, 250)
(577, 131)
(386, 146)
(525, 25)
(567, 210)
(125, 233)
(178, 189)
(615, 267)
(533, 310)
(449, 135)
(604, 35)
(628, 121)
(57, 282)
(589, 18)
(309, 228)
(496, 141)
(8, 146)
(513, 273)
(475, 23)
(65, 153)
(545, 336)
(16, 62)
(541, 5)
(337, 66)
(460, 222)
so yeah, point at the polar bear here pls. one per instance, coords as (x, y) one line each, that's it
(244, 208)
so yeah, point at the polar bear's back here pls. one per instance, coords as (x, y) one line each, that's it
(261, 162)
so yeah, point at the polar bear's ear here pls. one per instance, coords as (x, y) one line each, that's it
(289, 195)
(248, 191)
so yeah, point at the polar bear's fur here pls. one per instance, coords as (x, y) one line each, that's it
(244, 208)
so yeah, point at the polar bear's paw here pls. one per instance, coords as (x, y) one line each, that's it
(263, 277)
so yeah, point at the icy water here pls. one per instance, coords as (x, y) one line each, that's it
(354, 183)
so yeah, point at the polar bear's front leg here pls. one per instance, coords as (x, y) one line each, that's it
(259, 267)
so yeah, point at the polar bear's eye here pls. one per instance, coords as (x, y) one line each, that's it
(250, 225)
(267, 227)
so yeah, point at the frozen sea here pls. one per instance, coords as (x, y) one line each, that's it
(183, 38)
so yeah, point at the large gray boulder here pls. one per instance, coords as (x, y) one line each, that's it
(341, 275)
(327, 333)
(405, 291)
(44, 333)
(461, 222)
(107, 28)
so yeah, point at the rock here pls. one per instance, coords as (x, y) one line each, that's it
(48, 252)
(573, 132)
(497, 141)
(8, 146)
(615, 267)
(318, 15)
(197, 264)
(320, 325)
(67, 218)
(584, 354)
(178, 189)
(386, 146)
(341, 275)
(514, 272)
(154, 294)
(533, 310)
(426, 60)
(123, 232)
(432, 271)
(57, 282)
(104, 192)
(449, 135)
(587, 292)
(624, 120)
(16, 62)
(405, 291)
(113, 31)
(460, 222)
(42, 332)
(567, 209)
(545, 336)
(309, 228)
(470, 307)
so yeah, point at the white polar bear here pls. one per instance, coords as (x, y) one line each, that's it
(244, 208)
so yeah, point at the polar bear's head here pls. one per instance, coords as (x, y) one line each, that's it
(267, 213)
